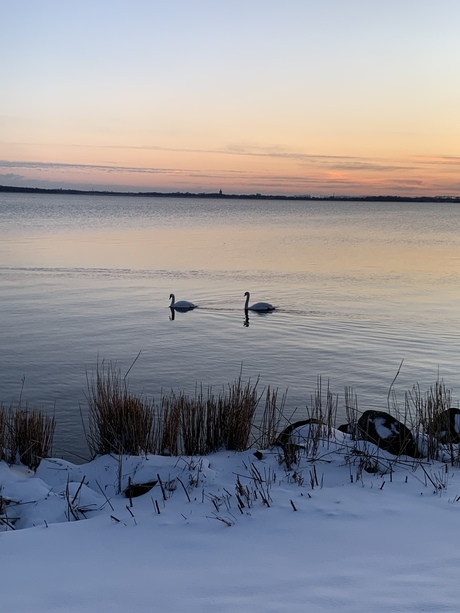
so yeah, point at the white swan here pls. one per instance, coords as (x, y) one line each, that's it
(182, 305)
(258, 306)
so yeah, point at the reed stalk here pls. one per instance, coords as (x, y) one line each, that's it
(26, 435)
(119, 422)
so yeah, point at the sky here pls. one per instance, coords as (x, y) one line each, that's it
(349, 97)
(329, 537)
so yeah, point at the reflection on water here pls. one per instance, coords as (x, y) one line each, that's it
(199, 235)
(256, 313)
(358, 288)
(173, 311)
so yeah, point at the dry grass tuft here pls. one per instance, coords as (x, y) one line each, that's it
(207, 422)
(238, 409)
(119, 422)
(3, 431)
(272, 416)
(26, 435)
(33, 433)
(431, 418)
(122, 423)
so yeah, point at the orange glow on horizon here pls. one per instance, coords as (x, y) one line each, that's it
(273, 171)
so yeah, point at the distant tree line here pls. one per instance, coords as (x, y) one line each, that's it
(79, 192)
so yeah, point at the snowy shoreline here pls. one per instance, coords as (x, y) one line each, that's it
(233, 531)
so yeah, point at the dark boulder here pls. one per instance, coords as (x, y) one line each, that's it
(284, 438)
(139, 489)
(388, 433)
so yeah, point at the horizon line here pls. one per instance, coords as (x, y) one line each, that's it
(221, 194)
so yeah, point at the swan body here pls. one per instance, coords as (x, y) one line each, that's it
(258, 306)
(182, 305)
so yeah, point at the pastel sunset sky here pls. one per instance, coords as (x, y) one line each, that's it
(318, 97)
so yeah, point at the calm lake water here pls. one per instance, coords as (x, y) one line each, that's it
(359, 288)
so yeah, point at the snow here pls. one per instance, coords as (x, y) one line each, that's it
(323, 536)
(382, 430)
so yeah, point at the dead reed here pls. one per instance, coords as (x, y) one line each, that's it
(267, 431)
(239, 408)
(26, 435)
(122, 423)
(3, 431)
(431, 418)
(351, 410)
(191, 424)
(323, 410)
(170, 417)
(119, 421)
(206, 422)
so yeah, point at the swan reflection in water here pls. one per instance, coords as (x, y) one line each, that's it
(172, 312)
(257, 314)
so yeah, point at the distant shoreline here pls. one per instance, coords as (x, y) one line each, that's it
(220, 195)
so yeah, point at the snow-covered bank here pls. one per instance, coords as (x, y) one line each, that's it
(231, 532)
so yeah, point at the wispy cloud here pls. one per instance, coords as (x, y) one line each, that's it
(10, 176)
(445, 160)
(318, 161)
(91, 167)
(240, 150)
(247, 150)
